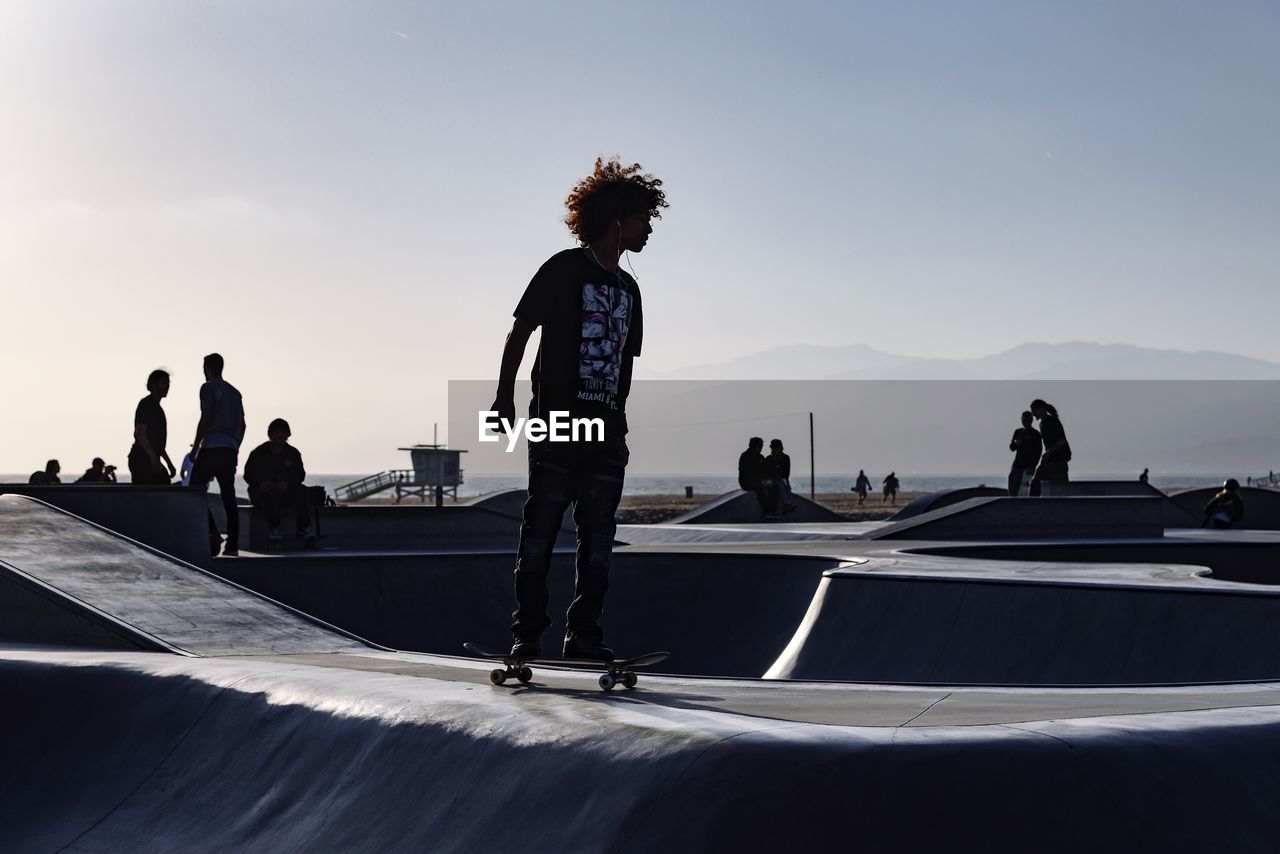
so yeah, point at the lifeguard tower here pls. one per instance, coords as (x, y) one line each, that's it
(437, 470)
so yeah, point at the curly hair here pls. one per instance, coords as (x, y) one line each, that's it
(612, 191)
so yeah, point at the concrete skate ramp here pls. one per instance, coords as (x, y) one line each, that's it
(1033, 518)
(899, 627)
(169, 518)
(719, 614)
(738, 506)
(945, 498)
(1098, 488)
(404, 527)
(1261, 506)
(225, 755)
(95, 586)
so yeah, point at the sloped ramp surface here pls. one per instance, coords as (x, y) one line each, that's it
(1034, 518)
(945, 498)
(1261, 506)
(135, 592)
(739, 506)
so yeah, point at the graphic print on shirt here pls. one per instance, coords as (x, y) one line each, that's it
(606, 320)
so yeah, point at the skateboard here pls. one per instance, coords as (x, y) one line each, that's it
(619, 671)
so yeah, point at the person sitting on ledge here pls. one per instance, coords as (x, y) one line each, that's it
(752, 477)
(99, 472)
(48, 477)
(275, 473)
(1226, 508)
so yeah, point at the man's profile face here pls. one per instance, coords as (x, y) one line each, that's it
(279, 436)
(161, 387)
(635, 230)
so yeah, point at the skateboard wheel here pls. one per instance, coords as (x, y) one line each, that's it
(497, 677)
(607, 682)
(524, 674)
(629, 679)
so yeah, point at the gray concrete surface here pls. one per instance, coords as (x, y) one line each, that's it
(945, 498)
(738, 506)
(1033, 518)
(169, 518)
(404, 526)
(334, 746)
(144, 596)
(370, 754)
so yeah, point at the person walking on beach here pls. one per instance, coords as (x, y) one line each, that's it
(149, 463)
(1057, 451)
(862, 486)
(216, 445)
(1026, 446)
(890, 489)
(777, 469)
(1226, 508)
(589, 310)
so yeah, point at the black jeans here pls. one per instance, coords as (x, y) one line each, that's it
(1050, 471)
(220, 464)
(270, 502)
(589, 476)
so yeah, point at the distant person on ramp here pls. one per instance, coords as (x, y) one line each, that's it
(590, 314)
(1026, 446)
(891, 485)
(862, 486)
(1145, 476)
(274, 473)
(217, 445)
(149, 463)
(752, 477)
(1226, 508)
(777, 470)
(1057, 451)
(47, 477)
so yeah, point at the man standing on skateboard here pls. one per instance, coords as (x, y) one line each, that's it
(592, 326)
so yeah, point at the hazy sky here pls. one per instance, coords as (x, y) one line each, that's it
(347, 199)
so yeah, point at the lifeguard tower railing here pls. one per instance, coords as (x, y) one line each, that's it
(371, 485)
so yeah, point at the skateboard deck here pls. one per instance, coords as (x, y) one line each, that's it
(617, 672)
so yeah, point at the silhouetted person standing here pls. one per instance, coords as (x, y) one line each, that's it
(1142, 478)
(890, 489)
(1026, 446)
(47, 477)
(589, 310)
(149, 463)
(862, 486)
(274, 472)
(217, 444)
(1057, 451)
(99, 472)
(1226, 508)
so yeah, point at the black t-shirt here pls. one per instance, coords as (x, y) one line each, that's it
(1052, 433)
(750, 469)
(778, 466)
(150, 413)
(592, 327)
(1028, 450)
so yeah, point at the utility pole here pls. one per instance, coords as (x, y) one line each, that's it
(812, 469)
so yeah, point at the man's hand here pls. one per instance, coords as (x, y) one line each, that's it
(505, 406)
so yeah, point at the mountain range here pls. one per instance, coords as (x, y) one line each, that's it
(1076, 360)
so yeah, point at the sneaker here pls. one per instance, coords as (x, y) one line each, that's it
(526, 649)
(276, 535)
(575, 647)
(230, 550)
